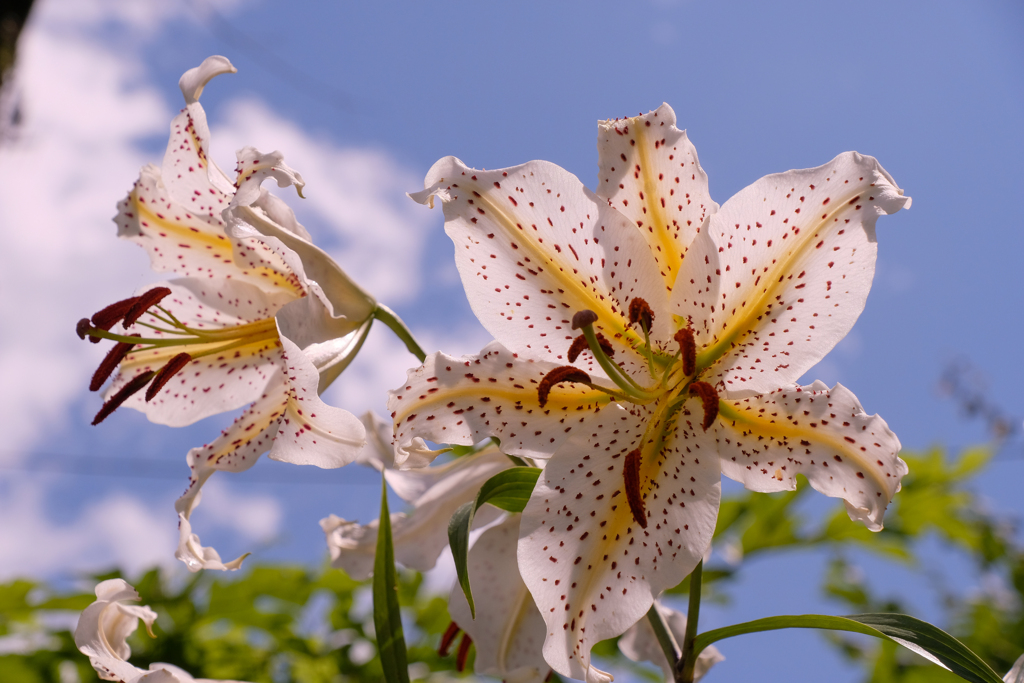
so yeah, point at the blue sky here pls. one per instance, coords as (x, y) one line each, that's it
(363, 97)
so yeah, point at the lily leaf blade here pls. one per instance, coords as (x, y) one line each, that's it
(918, 636)
(387, 616)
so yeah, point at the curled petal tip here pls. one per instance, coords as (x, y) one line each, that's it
(194, 80)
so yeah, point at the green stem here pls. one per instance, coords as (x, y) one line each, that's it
(689, 656)
(666, 640)
(614, 372)
(388, 317)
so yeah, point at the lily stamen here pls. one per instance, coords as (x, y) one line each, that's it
(631, 477)
(579, 345)
(143, 303)
(709, 397)
(688, 350)
(110, 363)
(463, 654)
(115, 401)
(447, 639)
(629, 386)
(565, 373)
(640, 313)
(164, 375)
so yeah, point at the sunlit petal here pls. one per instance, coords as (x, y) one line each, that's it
(465, 400)
(822, 433)
(784, 270)
(650, 173)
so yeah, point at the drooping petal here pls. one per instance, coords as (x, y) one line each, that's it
(421, 536)
(337, 305)
(102, 632)
(193, 177)
(379, 453)
(641, 645)
(254, 167)
(105, 625)
(783, 271)
(508, 631)
(534, 246)
(591, 567)
(213, 383)
(465, 400)
(194, 554)
(290, 421)
(191, 241)
(650, 173)
(822, 433)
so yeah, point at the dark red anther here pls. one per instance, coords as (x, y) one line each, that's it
(631, 475)
(583, 318)
(688, 347)
(640, 312)
(463, 654)
(109, 364)
(447, 639)
(579, 345)
(565, 373)
(709, 397)
(82, 328)
(143, 303)
(164, 375)
(121, 396)
(112, 314)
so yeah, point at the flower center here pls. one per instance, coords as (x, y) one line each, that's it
(673, 383)
(174, 346)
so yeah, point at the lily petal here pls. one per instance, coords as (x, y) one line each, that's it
(650, 173)
(641, 645)
(105, 625)
(215, 383)
(822, 433)
(509, 631)
(189, 238)
(465, 400)
(337, 307)
(420, 537)
(196, 556)
(534, 246)
(783, 271)
(254, 167)
(586, 560)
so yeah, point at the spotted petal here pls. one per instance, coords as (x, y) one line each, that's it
(290, 421)
(534, 246)
(591, 568)
(465, 400)
(822, 433)
(421, 536)
(650, 173)
(215, 383)
(783, 271)
(191, 241)
(254, 167)
(509, 631)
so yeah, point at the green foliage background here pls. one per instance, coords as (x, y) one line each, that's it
(273, 623)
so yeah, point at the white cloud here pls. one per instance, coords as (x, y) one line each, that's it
(59, 181)
(255, 518)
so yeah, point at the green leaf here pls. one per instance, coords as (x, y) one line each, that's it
(508, 490)
(387, 616)
(918, 636)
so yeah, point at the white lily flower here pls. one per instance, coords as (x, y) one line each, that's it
(260, 315)
(711, 313)
(508, 630)
(434, 494)
(102, 634)
(640, 644)
(210, 340)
